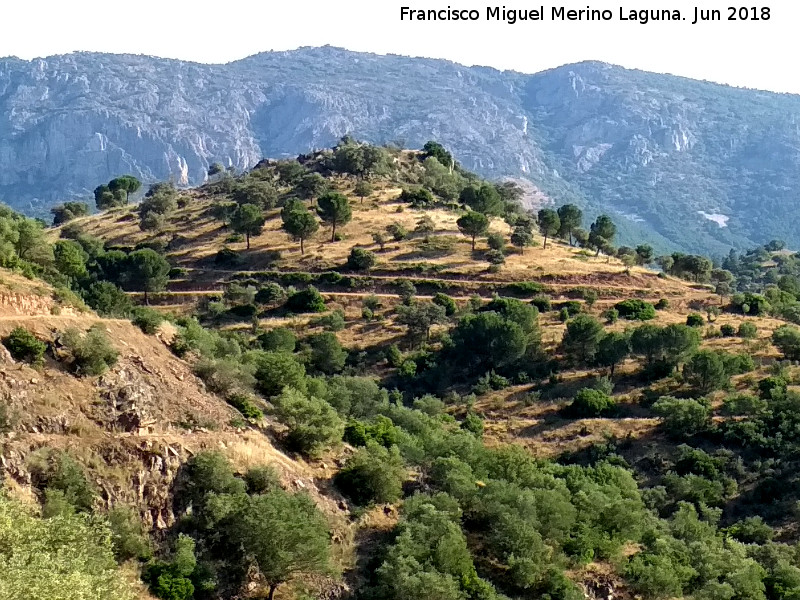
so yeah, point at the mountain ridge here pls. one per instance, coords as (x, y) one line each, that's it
(684, 164)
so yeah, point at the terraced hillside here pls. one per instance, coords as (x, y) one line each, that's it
(429, 401)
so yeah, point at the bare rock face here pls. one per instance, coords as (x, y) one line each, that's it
(128, 401)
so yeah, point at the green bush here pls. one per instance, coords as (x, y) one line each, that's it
(23, 345)
(89, 353)
(128, 534)
(635, 309)
(542, 303)
(306, 301)
(69, 558)
(751, 530)
(279, 339)
(313, 424)
(333, 321)
(572, 307)
(662, 304)
(224, 376)
(246, 405)
(327, 355)
(450, 306)
(524, 288)
(727, 330)
(382, 431)
(57, 471)
(270, 293)
(274, 371)
(682, 416)
(147, 319)
(108, 300)
(590, 403)
(744, 405)
(373, 474)
(695, 320)
(748, 330)
(227, 257)
(787, 339)
(473, 423)
(361, 260)
(262, 479)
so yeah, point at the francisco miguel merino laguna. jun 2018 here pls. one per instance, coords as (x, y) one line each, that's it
(562, 13)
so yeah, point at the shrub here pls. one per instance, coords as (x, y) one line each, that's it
(417, 196)
(327, 355)
(787, 339)
(706, 371)
(279, 339)
(727, 330)
(590, 403)
(227, 257)
(361, 260)
(224, 376)
(382, 431)
(748, 330)
(68, 558)
(450, 306)
(397, 231)
(406, 290)
(373, 474)
(60, 472)
(636, 309)
(682, 416)
(751, 530)
(108, 300)
(744, 405)
(147, 319)
(695, 320)
(306, 301)
(243, 311)
(128, 535)
(90, 353)
(573, 307)
(276, 370)
(262, 479)
(611, 315)
(271, 293)
(473, 423)
(542, 303)
(23, 345)
(394, 356)
(525, 288)
(662, 304)
(246, 405)
(312, 424)
(333, 321)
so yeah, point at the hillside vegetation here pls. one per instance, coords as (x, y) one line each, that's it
(369, 373)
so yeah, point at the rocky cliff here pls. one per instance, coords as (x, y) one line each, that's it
(681, 163)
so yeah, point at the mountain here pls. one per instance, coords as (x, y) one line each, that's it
(682, 164)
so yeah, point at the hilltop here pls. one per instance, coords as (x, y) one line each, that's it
(687, 165)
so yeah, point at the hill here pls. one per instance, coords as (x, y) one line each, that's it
(426, 401)
(688, 165)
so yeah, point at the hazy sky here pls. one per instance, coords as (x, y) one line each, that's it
(751, 54)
